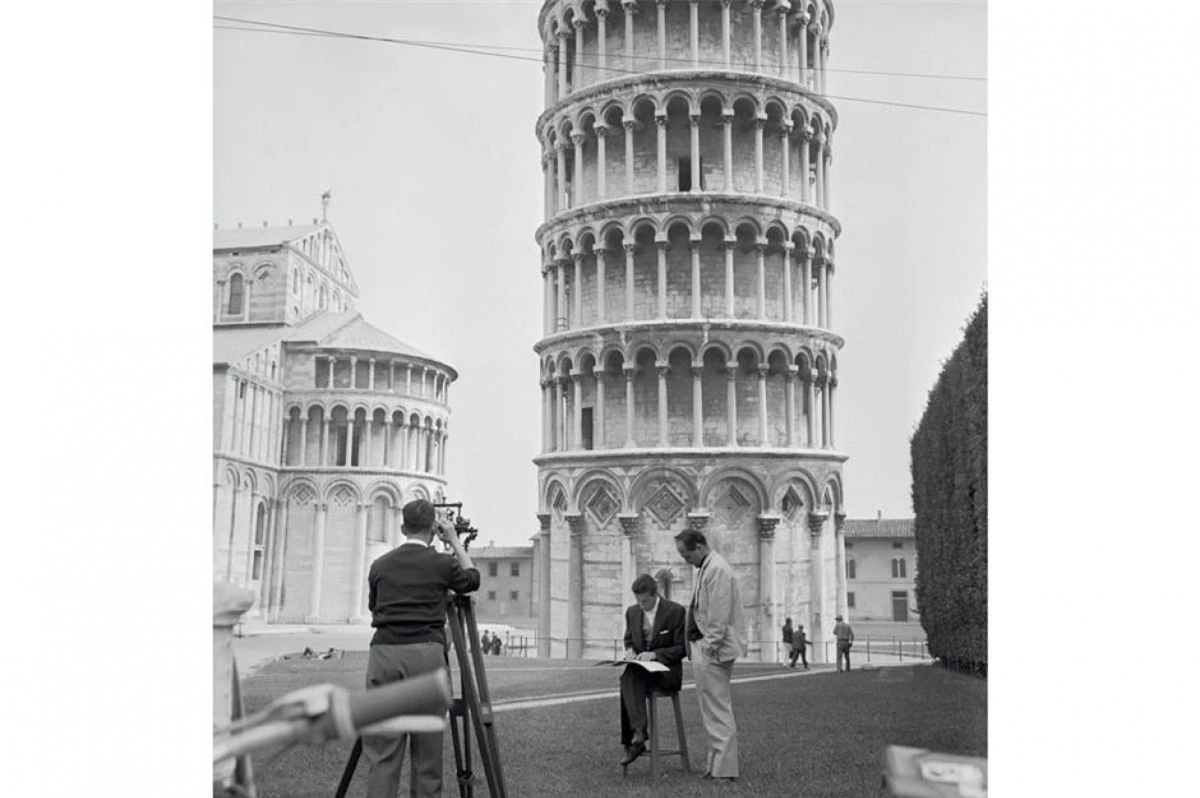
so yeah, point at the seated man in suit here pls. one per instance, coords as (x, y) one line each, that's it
(655, 629)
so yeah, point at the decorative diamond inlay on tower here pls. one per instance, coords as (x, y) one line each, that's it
(664, 506)
(602, 506)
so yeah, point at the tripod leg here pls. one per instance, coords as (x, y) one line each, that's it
(458, 715)
(476, 695)
(348, 773)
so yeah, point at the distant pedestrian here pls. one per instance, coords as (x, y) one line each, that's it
(787, 638)
(496, 645)
(799, 643)
(845, 639)
(485, 642)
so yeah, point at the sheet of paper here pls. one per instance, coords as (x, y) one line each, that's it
(650, 665)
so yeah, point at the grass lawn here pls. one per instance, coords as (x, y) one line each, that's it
(817, 734)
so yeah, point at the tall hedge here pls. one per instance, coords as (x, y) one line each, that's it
(949, 493)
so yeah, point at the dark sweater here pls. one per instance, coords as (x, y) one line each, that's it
(407, 597)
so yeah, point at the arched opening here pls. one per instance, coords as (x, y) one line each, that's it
(679, 271)
(679, 148)
(236, 295)
(748, 411)
(715, 392)
(377, 520)
(615, 410)
(645, 399)
(712, 145)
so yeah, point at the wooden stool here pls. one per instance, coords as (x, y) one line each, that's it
(652, 697)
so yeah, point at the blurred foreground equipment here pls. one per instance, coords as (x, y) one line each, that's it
(920, 773)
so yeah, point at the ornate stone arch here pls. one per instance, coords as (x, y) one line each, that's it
(832, 486)
(637, 345)
(732, 473)
(385, 488)
(342, 492)
(753, 345)
(783, 349)
(599, 495)
(300, 489)
(800, 482)
(688, 97)
(685, 345)
(684, 219)
(719, 346)
(556, 495)
(665, 492)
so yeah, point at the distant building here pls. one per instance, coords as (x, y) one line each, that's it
(881, 569)
(506, 581)
(323, 426)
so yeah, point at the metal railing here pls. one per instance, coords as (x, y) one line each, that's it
(875, 650)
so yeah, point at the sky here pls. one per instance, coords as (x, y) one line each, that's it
(437, 190)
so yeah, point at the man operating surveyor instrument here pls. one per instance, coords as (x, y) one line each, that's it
(408, 589)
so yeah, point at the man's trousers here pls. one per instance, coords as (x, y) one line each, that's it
(843, 650)
(385, 755)
(715, 695)
(635, 683)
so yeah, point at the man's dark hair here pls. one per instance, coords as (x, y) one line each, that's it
(690, 539)
(645, 585)
(419, 515)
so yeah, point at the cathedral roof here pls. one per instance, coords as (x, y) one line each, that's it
(250, 237)
(879, 528)
(346, 330)
(231, 344)
(350, 330)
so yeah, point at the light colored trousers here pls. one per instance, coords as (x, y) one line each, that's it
(385, 755)
(715, 694)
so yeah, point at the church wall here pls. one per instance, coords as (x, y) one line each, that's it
(222, 411)
(341, 527)
(297, 584)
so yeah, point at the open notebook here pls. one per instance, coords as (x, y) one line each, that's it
(651, 665)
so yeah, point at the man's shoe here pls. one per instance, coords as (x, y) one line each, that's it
(633, 752)
(638, 738)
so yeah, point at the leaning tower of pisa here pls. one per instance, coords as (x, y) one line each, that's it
(689, 357)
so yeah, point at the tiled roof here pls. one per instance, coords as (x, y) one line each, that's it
(500, 552)
(359, 334)
(250, 237)
(878, 528)
(231, 344)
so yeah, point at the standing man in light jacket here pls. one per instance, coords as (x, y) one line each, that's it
(715, 641)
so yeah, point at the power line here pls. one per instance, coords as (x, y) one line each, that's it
(273, 27)
(652, 58)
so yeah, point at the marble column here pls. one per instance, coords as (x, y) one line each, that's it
(630, 249)
(575, 576)
(697, 406)
(763, 370)
(601, 131)
(730, 294)
(358, 579)
(727, 151)
(577, 289)
(544, 592)
(694, 32)
(789, 313)
(629, 406)
(790, 403)
(662, 247)
(760, 253)
(598, 433)
(279, 562)
(576, 410)
(731, 400)
(601, 279)
(318, 566)
(694, 127)
(694, 246)
(766, 586)
(663, 428)
(726, 46)
(660, 122)
(628, 123)
(661, 28)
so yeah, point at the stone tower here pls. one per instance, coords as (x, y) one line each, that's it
(689, 359)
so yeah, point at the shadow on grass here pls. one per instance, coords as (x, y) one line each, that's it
(820, 734)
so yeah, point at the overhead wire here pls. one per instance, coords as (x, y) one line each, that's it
(276, 27)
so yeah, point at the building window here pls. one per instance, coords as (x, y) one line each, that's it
(515, 569)
(512, 596)
(850, 569)
(898, 569)
(323, 301)
(850, 601)
(258, 560)
(896, 544)
(849, 545)
(236, 290)
(491, 595)
(296, 281)
(493, 568)
(903, 573)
